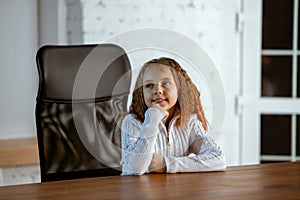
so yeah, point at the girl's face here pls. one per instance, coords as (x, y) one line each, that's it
(159, 87)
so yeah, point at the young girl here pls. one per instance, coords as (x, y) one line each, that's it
(165, 131)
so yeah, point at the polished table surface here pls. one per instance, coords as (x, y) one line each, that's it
(267, 181)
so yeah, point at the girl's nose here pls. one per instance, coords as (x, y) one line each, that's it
(157, 89)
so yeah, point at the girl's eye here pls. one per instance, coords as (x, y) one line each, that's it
(166, 83)
(149, 85)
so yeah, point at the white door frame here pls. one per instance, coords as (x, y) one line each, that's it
(250, 61)
(252, 103)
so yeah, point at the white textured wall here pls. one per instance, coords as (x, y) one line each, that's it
(200, 20)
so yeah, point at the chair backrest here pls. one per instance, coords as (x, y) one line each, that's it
(81, 101)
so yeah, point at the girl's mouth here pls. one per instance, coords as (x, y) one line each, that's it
(158, 100)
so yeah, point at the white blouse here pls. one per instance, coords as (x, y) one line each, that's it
(184, 149)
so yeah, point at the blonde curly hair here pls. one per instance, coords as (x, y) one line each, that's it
(188, 101)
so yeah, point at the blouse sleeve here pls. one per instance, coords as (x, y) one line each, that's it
(138, 142)
(204, 154)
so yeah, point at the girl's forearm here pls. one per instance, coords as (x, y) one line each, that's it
(215, 161)
(138, 147)
(137, 160)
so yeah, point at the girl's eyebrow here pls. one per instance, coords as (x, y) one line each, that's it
(163, 79)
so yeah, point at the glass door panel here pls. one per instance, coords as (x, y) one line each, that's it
(277, 24)
(276, 76)
(275, 139)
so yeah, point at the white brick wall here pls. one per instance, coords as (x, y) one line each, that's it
(200, 20)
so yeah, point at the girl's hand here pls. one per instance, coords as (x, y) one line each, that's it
(158, 164)
(162, 110)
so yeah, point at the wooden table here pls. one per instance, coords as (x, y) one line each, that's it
(267, 181)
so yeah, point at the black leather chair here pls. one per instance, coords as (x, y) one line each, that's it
(81, 101)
